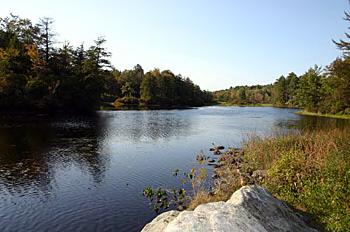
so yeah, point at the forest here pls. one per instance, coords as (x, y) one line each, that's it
(320, 90)
(37, 75)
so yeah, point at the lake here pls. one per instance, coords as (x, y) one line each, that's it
(88, 173)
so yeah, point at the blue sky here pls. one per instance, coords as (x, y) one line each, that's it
(217, 44)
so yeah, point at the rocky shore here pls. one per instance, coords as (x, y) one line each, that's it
(251, 208)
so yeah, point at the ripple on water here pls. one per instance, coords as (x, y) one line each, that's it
(87, 174)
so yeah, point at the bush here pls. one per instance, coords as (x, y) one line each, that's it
(126, 101)
(310, 171)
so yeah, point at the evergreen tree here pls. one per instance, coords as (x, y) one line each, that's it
(344, 44)
(46, 37)
(309, 93)
(148, 89)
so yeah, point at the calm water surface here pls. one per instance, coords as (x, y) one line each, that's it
(87, 174)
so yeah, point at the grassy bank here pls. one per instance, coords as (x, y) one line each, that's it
(341, 116)
(310, 171)
(251, 105)
(256, 105)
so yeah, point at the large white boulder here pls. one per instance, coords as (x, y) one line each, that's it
(250, 208)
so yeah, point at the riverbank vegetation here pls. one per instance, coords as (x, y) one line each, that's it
(37, 75)
(322, 91)
(158, 88)
(308, 170)
(318, 90)
(338, 115)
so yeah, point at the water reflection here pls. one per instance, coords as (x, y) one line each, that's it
(87, 173)
(138, 126)
(320, 123)
(30, 153)
(22, 165)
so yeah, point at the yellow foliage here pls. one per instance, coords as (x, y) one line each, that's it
(33, 53)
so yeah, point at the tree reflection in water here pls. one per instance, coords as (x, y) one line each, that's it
(30, 153)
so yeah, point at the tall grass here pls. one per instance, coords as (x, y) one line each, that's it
(310, 171)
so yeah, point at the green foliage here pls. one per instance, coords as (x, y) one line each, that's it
(36, 75)
(309, 93)
(318, 185)
(317, 91)
(326, 92)
(245, 95)
(148, 89)
(342, 44)
(280, 91)
(163, 198)
(309, 170)
(166, 89)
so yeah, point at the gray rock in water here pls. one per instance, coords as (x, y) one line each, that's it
(251, 208)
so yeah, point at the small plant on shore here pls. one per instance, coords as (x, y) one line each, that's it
(162, 198)
(177, 197)
(226, 178)
(309, 170)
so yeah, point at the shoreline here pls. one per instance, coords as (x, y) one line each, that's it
(300, 112)
(337, 116)
(244, 105)
(290, 173)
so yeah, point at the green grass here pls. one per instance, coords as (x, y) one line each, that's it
(340, 116)
(309, 170)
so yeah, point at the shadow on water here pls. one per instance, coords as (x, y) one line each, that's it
(311, 123)
(30, 151)
(62, 163)
(88, 173)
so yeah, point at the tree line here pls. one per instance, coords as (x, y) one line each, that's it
(322, 90)
(35, 74)
(157, 88)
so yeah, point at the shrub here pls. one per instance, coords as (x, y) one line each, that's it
(310, 171)
(126, 101)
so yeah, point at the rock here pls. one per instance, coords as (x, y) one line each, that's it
(161, 222)
(251, 208)
(236, 150)
(200, 157)
(211, 160)
(218, 165)
(217, 150)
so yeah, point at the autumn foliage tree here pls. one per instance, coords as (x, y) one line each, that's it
(37, 75)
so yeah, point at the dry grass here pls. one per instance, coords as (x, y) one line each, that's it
(203, 197)
(262, 152)
(310, 171)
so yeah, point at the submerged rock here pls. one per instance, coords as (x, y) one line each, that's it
(211, 160)
(251, 208)
(217, 149)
